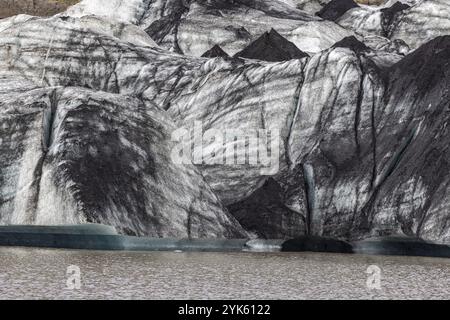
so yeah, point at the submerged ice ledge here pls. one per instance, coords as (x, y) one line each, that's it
(101, 237)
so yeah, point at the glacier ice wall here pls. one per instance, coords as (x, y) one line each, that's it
(89, 99)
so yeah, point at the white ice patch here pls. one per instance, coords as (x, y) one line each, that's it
(24, 194)
(128, 11)
(55, 207)
(259, 245)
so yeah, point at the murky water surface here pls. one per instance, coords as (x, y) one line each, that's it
(43, 274)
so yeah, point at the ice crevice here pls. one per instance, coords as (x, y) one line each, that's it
(384, 176)
(308, 175)
(48, 120)
(296, 109)
(358, 107)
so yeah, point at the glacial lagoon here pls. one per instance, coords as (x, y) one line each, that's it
(47, 274)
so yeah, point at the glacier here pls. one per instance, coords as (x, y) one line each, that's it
(89, 99)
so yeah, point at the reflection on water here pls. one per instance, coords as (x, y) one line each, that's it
(41, 273)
